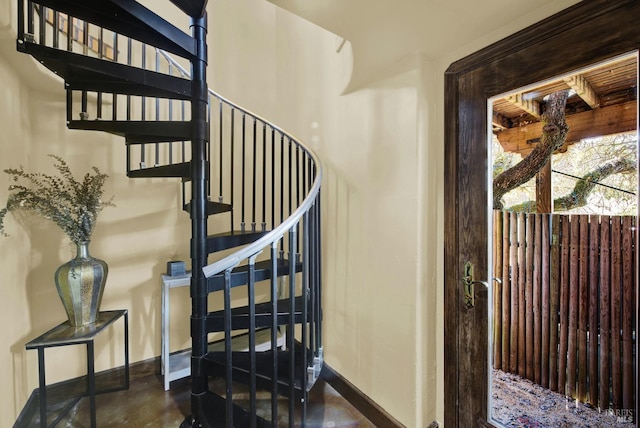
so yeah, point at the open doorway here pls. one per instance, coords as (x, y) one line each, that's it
(587, 33)
(562, 306)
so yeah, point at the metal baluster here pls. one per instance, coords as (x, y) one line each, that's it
(101, 55)
(319, 268)
(56, 29)
(274, 333)
(84, 113)
(69, 104)
(242, 218)
(70, 31)
(221, 166)
(208, 150)
(101, 44)
(281, 178)
(99, 106)
(290, 177)
(42, 26)
(30, 19)
(233, 145)
(157, 99)
(183, 152)
(312, 277)
(273, 179)
(114, 96)
(304, 326)
(143, 108)
(183, 118)
(227, 348)
(157, 113)
(254, 178)
(21, 36)
(170, 101)
(298, 189)
(128, 151)
(291, 325)
(264, 177)
(252, 340)
(129, 60)
(85, 38)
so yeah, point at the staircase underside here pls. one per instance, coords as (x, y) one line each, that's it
(129, 18)
(93, 74)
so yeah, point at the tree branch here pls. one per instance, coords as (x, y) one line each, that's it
(583, 188)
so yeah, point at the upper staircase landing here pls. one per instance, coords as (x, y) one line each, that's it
(124, 17)
(193, 8)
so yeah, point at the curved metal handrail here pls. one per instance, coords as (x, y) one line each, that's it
(276, 234)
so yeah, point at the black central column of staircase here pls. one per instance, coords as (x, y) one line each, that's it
(198, 212)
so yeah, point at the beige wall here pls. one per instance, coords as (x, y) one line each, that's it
(381, 148)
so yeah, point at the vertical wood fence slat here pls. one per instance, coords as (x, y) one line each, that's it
(628, 303)
(528, 294)
(565, 232)
(522, 276)
(605, 336)
(497, 289)
(572, 309)
(583, 305)
(537, 311)
(594, 300)
(616, 265)
(513, 257)
(554, 302)
(545, 299)
(506, 291)
(564, 313)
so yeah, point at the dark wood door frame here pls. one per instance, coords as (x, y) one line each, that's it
(589, 32)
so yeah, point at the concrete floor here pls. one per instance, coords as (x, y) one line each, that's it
(146, 404)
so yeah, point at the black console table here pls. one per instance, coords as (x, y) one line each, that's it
(64, 334)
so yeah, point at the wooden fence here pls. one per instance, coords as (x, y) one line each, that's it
(564, 312)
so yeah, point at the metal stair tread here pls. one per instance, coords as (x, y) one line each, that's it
(212, 207)
(240, 274)
(129, 18)
(214, 364)
(235, 238)
(159, 130)
(82, 72)
(240, 315)
(181, 170)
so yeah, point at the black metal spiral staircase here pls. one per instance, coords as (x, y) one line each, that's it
(114, 57)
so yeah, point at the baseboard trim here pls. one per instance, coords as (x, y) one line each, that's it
(365, 405)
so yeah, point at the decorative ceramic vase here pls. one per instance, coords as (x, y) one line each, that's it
(80, 283)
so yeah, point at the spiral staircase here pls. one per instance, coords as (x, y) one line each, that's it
(125, 73)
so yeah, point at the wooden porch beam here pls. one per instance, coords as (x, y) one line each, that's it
(595, 123)
(583, 89)
(499, 121)
(530, 106)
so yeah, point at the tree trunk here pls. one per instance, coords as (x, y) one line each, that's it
(554, 134)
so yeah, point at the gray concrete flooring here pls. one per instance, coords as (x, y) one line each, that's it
(146, 404)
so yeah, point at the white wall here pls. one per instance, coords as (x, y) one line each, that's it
(15, 145)
(370, 143)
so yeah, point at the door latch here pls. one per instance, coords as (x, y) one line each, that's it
(469, 285)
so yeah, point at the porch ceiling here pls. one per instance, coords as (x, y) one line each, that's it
(603, 102)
